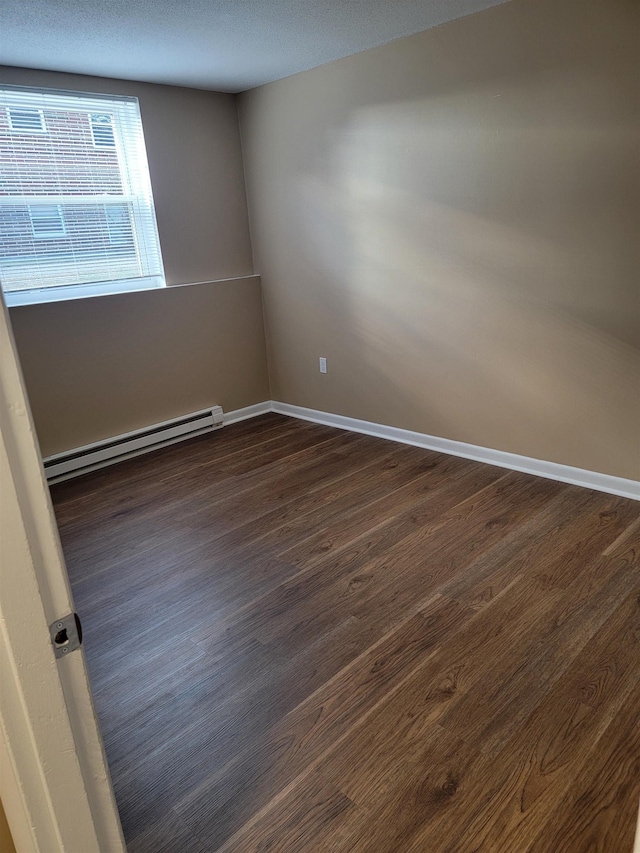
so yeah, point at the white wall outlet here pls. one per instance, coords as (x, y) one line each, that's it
(323, 364)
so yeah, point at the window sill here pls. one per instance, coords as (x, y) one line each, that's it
(81, 291)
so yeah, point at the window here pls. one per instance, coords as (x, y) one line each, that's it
(102, 130)
(118, 225)
(76, 210)
(26, 121)
(47, 221)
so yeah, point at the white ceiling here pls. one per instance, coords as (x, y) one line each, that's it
(228, 45)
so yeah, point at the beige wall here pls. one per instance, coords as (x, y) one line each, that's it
(452, 220)
(99, 367)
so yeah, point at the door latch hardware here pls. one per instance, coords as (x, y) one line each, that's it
(66, 635)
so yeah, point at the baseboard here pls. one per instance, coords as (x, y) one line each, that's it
(551, 470)
(247, 412)
(540, 468)
(228, 418)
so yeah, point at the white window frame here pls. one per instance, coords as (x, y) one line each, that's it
(43, 124)
(62, 293)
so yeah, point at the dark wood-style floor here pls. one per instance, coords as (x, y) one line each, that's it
(302, 639)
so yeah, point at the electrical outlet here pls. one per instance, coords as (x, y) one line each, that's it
(323, 364)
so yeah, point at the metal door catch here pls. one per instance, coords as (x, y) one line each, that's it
(66, 635)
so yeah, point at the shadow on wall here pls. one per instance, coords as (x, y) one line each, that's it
(474, 266)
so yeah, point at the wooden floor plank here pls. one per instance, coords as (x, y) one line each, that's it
(308, 731)
(301, 639)
(489, 712)
(510, 798)
(168, 835)
(194, 500)
(544, 539)
(309, 818)
(76, 496)
(600, 809)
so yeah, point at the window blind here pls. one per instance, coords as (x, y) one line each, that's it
(76, 208)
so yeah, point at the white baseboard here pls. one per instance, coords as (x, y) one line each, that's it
(551, 470)
(247, 412)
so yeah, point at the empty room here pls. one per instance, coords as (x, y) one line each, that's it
(320, 419)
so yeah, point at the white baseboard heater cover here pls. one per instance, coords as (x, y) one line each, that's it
(72, 463)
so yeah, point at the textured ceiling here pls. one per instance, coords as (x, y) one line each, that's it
(228, 45)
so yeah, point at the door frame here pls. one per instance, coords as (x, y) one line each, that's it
(54, 778)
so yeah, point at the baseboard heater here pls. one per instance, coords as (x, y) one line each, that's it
(72, 463)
